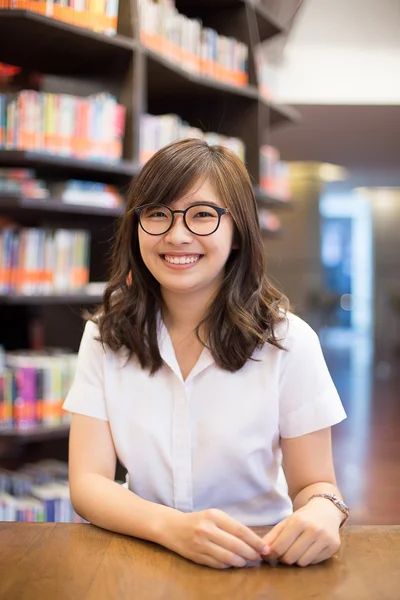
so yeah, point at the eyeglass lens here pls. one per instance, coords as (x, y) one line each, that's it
(200, 219)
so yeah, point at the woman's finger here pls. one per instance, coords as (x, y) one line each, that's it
(230, 525)
(233, 544)
(311, 554)
(297, 549)
(286, 538)
(272, 535)
(225, 556)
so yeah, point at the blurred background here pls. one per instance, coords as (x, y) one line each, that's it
(305, 92)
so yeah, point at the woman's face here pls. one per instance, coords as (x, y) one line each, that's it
(205, 256)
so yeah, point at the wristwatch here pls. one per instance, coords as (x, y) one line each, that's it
(337, 502)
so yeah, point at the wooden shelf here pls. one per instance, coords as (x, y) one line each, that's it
(19, 206)
(265, 200)
(49, 299)
(278, 114)
(46, 45)
(269, 233)
(121, 172)
(268, 26)
(166, 78)
(36, 433)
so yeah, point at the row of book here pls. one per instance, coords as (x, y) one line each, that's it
(274, 173)
(90, 128)
(43, 261)
(97, 15)
(37, 493)
(23, 183)
(158, 131)
(266, 74)
(196, 48)
(269, 222)
(33, 386)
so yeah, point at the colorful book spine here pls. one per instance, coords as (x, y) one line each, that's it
(38, 261)
(266, 74)
(158, 131)
(274, 174)
(35, 385)
(98, 15)
(37, 493)
(86, 128)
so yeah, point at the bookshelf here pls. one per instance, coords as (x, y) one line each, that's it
(32, 209)
(34, 434)
(78, 50)
(50, 299)
(79, 61)
(268, 26)
(66, 167)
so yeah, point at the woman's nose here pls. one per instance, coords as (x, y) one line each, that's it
(179, 233)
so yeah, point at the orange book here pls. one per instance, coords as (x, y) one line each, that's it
(57, 141)
(46, 121)
(21, 141)
(11, 115)
(44, 7)
(51, 123)
(58, 10)
(33, 6)
(75, 133)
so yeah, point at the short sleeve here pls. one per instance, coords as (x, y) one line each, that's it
(86, 396)
(308, 399)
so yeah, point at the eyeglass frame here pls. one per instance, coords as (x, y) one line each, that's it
(219, 210)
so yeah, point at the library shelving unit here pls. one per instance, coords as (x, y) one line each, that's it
(76, 59)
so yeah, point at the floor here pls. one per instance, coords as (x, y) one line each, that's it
(367, 444)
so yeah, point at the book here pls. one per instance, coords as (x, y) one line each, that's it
(195, 48)
(98, 15)
(156, 131)
(274, 174)
(43, 261)
(37, 493)
(90, 128)
(35, 385)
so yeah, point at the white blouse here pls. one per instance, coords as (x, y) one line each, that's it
(211, 441)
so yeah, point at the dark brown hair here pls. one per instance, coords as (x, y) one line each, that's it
(247, 307)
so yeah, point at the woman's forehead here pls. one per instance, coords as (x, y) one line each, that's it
(201, 191)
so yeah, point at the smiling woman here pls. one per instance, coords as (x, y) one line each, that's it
(196, 375)
(214, 220)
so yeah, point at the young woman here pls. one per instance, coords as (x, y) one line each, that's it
(196, 375)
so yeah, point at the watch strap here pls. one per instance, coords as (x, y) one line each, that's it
(337, 502)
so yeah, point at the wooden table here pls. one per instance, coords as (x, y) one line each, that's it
(80, 562)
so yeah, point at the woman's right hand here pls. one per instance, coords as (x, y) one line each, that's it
(213, 538)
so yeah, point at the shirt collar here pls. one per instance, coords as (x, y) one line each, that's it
(168, 353)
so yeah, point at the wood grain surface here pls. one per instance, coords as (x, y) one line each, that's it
(81, 562)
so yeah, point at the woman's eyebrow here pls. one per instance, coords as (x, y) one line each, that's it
(199, 201)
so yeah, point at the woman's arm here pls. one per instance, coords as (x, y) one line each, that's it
(311, 534)
(208, 537)
(309, 470)
(96, 496)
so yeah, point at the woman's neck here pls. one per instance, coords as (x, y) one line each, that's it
(183, 312)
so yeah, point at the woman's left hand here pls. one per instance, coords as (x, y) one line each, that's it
(309, 536)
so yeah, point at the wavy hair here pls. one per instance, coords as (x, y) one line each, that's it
(245, 311)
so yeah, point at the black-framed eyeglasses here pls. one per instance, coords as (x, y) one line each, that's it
(200, 218)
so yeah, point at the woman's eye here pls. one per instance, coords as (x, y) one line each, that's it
(159, 215)
(203, 214)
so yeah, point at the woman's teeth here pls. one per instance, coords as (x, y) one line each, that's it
(181, 260)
